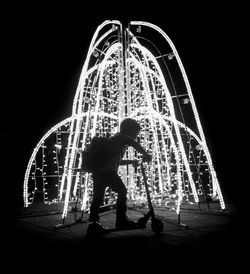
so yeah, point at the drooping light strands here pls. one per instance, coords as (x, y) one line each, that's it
(128, 78)
(216, 187)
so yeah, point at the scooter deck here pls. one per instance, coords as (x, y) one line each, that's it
(111, 230)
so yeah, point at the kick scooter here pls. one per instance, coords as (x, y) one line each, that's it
(156, 224)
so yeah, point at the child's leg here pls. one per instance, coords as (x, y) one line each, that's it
(118, 186)
(98, 194)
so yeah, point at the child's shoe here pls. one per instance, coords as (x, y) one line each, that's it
(95, 229)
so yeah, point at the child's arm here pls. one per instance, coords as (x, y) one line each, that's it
(128, 162)
(147, 157)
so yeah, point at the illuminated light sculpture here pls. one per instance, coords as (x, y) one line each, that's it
(126, 75)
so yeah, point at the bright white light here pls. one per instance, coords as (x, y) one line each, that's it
(114, 84)
(58, 146)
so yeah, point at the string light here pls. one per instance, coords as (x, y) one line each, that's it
(111, 87)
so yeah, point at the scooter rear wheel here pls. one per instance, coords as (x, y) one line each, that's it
(157, 225)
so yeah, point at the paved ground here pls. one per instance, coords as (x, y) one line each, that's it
(213, 242)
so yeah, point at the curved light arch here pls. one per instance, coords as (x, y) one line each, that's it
(162, 119)
(151, 114)
(92, 46)
(90, 83)
(172, 113)
(40, 143)
(33, 155)
(215, 182)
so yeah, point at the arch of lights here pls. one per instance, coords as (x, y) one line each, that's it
(126, 75)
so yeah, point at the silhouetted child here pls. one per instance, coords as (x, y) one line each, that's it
(107, 176)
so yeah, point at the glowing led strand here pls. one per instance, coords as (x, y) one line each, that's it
(171, 109)
(189, 173)
(69, 169)
(139, 65)
(147, 93)
(73, 149)
(176, 153)
(67, 158)
(88, 76)
(186, 188)
(176, 156)
(150, 74)
(165, 154)
(35, 182)
(57, 146)
(85, 191)
(86, 127)
(178, 178)
(72, 124)
(147, 68)
(121, 97)
(43, 173)
(193, 160)
(85, 195)
(74, 128)
(166, 168)
(157, 108)
(154, 113)
(92, 46)
(57, 162)
(181, 125)
(113, 48)
(153, 126)
(198, 175)
(77, 181)
(33, 155)
(216, 187)
(84, 138)
(26, 177)
(98, 117)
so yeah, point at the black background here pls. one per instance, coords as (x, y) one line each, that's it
(47, 43)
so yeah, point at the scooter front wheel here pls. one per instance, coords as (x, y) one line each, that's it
(157, 225)
(141, 223)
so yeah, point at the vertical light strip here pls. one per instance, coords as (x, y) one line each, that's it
(215, 182)
(153, 113)
(150, 106)
(150, 102)
(172, 113)
(102, 66)
(72, 145)
(33, 155)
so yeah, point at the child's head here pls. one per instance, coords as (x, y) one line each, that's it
(130, 127)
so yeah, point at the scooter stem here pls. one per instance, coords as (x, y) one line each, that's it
(151, 210)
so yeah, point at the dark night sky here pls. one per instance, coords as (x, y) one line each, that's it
(47, 46)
